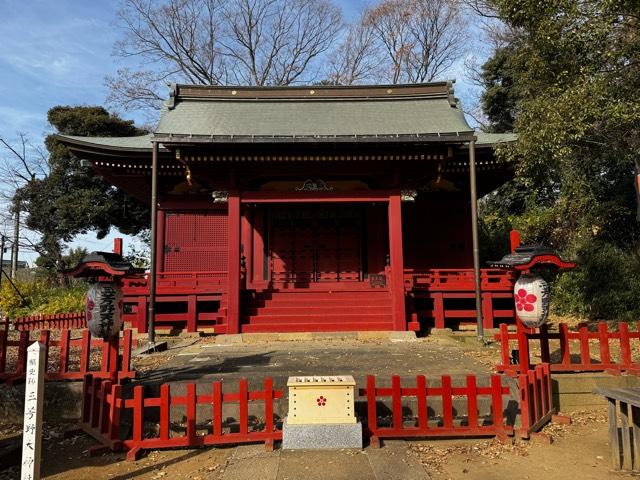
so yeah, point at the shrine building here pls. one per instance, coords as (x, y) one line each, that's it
(303, 209)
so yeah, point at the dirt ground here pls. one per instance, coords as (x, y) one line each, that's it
(578, 450)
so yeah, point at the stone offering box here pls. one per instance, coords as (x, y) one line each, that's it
(321, 400)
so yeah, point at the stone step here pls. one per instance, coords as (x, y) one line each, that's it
(315, 327)
(301, 309)
(353, 319)
(324, 302)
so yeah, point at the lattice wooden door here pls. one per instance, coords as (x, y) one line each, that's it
(196, 242)
(316, 245)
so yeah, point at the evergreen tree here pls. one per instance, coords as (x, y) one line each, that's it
(575, 72)
(71, 199)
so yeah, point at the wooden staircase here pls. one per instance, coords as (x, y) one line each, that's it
(303, 310)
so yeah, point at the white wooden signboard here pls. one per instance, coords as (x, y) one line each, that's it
(33, 403)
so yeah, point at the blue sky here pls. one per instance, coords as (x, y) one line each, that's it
(58, 52)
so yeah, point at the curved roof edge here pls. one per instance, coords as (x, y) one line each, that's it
(142, 143)
(491, 139)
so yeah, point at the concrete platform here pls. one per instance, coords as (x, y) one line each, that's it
(321, 436)
(574, 391)
(389, 463)
(251, 338)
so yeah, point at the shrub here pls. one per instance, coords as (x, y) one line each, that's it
(605, 284)
(41, 297)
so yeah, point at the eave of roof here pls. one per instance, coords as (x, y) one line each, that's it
(335, 114)
(492, 139)
(140, 143)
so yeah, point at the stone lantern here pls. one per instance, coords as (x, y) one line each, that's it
(531, 291)
(104, 298)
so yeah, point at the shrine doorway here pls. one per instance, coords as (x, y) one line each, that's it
(314, 244)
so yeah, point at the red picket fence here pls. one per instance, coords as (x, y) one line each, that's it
(104, 406)
(536, 404)
(57, 321)
(446, 426)
(115, 355)
(578, 360)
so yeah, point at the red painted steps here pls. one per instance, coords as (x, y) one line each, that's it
(319, 318)
(320, 310)
(317, 311)
(315, 327)
(377, 303)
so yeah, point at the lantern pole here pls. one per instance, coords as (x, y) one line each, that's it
(154, 229)
(474, 239)
(1, 259)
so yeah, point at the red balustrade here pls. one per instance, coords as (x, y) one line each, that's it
(114, 355)
(56, 321)
(574, 352)
(536, 404)
(458, 280)
(447, 425)
(104, 405)
(175, 283)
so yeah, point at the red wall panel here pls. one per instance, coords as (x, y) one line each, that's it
(195, 241)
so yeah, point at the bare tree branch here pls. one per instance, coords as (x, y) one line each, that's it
(422, 38)
(356, 60)
(215, 42)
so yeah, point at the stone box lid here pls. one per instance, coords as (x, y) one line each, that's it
(322, 380)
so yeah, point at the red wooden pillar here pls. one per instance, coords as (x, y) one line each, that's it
(514, 240)
(117, 246)
(397, 261)
(438, 310)
(247, 245)
(258, 246)
(233, 262)
(160, 242)
(192, 314)
(487, 310)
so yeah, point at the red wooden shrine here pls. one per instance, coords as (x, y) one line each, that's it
(309, 209)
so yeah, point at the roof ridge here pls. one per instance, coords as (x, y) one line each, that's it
(443, 89)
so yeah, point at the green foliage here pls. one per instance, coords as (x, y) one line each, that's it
(573, 74)
(605, 285)
(41, 297)
(71, 199)
(140, 256)
(499, 98)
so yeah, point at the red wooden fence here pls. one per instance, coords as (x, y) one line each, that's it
(577, 360)
(447, 425)
(536, 405)
(446, 288)
(458, 279)
(115, 355)
(104, 406)
(56, 321)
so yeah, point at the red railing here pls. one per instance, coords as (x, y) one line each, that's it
(67, 358)
(564, 359)
(104, 406)
(446, 425)
(536, 404)
(56, 321)
(172, 283)
(458, 280)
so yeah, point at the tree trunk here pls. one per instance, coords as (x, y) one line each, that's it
(14, 248)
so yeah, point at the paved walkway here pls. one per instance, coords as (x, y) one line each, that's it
(391, 462)
(205, 362)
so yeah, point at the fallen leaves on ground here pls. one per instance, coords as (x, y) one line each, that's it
(434, 458)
